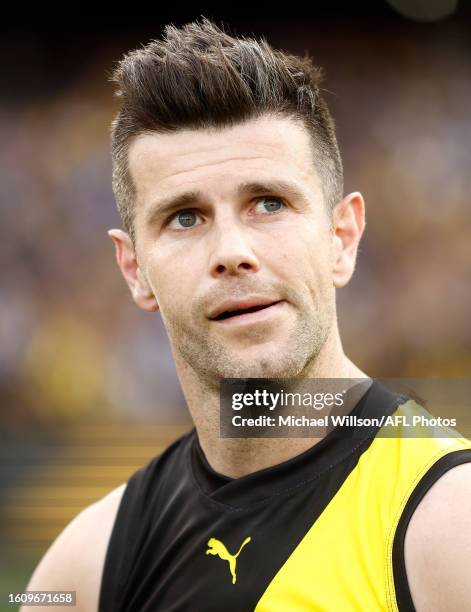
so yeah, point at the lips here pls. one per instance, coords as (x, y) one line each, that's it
(232, 309)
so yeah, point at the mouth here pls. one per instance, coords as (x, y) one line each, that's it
(249, 314)
(227, 314)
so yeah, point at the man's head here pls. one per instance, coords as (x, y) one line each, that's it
(229, 182)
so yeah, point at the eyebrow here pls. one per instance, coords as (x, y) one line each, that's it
(164, 207)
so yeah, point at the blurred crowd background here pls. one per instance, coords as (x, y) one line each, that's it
(76, 351)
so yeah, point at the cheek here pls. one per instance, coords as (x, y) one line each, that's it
(297, 259)
(173, 281)
(308, 264)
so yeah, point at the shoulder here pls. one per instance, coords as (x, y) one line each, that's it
(75, 560)
(437, 547)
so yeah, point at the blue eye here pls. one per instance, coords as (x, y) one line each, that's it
(185, 218)
(274, 204)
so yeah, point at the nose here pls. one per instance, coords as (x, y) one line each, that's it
(232, 254)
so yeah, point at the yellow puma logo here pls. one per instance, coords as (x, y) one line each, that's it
(216, 547)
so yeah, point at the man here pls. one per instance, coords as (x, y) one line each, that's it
(229, 183)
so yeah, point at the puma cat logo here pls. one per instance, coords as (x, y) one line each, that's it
(216, 547)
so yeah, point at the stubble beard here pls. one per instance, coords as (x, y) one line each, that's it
(212, 359)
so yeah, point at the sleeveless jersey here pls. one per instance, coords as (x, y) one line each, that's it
(323, 531)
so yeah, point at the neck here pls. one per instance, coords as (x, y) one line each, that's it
(236, 457)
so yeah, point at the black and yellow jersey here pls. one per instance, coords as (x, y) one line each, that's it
(323, 531)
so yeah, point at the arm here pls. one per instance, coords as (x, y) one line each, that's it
(437, 545)
(74, 561)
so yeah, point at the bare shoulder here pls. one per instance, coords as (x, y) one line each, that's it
(437, 547)
(75, 559)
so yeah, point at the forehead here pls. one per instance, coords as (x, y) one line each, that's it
(218, 158)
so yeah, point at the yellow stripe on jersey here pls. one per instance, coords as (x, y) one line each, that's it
(344, 562)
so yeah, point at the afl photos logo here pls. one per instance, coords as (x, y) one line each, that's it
(216, 547)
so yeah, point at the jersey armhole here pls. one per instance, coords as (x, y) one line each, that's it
(114, 564)
(401, 584)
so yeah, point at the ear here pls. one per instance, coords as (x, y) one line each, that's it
(348, 225)
(140, 290)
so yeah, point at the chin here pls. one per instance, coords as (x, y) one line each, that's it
(262, 367)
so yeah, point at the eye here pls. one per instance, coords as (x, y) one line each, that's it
(183, 219)
(270, 204)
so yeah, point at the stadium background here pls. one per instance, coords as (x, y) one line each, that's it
(88, 386)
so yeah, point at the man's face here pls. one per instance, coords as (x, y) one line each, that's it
(250, 229)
